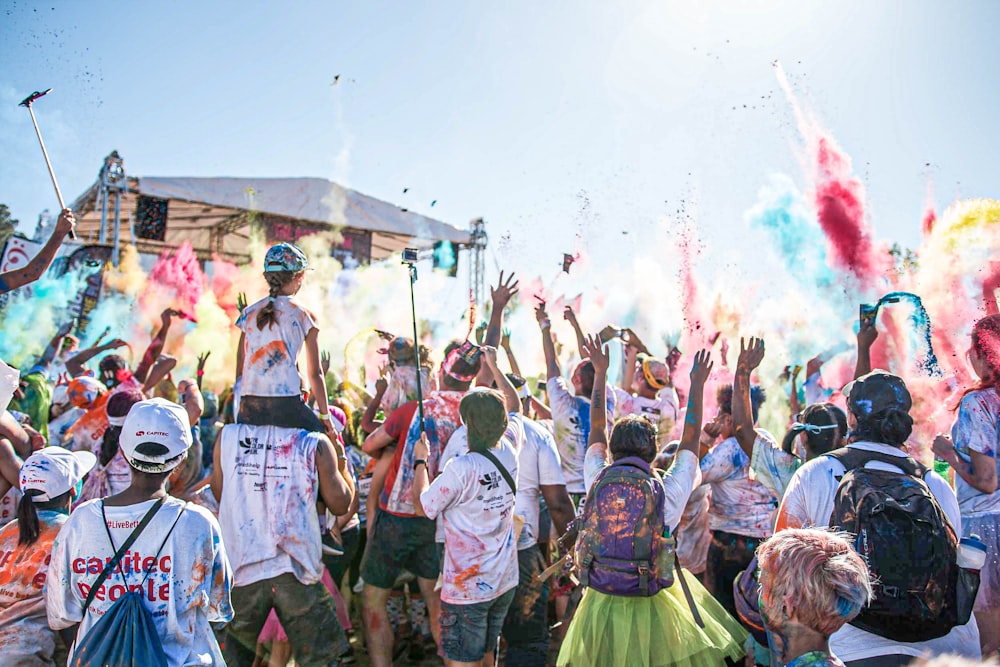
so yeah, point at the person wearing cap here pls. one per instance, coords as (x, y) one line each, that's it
(647, 390)
(400, 538)
(971, 450)
(268, 480)
(179, 559)
(878, 407)
(475, 500)
(49, 480)
(274, 331)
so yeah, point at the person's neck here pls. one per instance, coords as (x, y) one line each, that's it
(140, 490)
(795, 640)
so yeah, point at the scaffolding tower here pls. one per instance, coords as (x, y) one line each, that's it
(477, 276)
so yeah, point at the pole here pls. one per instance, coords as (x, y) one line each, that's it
(26, 102)
(416, 344)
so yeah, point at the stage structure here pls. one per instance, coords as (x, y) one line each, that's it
(218, 215)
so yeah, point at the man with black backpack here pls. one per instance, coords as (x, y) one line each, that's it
(905, 519)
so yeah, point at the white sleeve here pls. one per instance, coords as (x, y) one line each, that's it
(61, 606)
(678, 483)
(946, 497)
(593, 463)
(443, 491)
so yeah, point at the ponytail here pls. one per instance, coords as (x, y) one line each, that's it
(27, 518)
(109, 444)
(28, 525)
(276, 280)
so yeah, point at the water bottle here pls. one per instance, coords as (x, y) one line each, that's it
(942, 468)
(971, 553)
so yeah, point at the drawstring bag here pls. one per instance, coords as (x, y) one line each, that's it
(126, 635)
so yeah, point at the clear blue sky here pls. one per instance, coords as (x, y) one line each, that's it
(552, 120)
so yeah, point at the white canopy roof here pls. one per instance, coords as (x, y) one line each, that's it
(217, 214)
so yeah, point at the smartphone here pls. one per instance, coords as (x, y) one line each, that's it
(868, 311)
(469, 352)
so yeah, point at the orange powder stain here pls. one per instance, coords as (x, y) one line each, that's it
(199, 572)
(274, 350)
(463, 577)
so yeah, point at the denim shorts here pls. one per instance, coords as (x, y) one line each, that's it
(469, 631)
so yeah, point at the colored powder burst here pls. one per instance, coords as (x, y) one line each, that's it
(927, 361)
(839, 201)
(969, 217)
(782, 212)
(34, 313)
(180, 272)
(927, 224)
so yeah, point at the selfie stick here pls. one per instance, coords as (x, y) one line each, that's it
(26, 102)
(410, 260)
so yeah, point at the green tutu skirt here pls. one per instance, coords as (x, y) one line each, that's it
(656, 631)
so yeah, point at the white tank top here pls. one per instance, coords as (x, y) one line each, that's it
(268, 507)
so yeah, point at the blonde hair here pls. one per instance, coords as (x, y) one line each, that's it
(817, 571)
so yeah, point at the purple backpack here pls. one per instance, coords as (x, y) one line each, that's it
(621, 548)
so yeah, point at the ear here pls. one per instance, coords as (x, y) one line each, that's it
(788, 606)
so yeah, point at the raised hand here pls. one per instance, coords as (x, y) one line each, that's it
(594, 349)
(66, 224)
(324, 361)
(701, 368)
(568, 314)
(867, 333)
(241, 301)
(502, 293)
(541, 315)
(505, 339)
(751, 354)
(489, 355)
(481, 332)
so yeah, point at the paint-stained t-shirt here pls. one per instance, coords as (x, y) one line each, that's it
(663, 410)
(476, 506)
(739, 505)
(571, 428)
(977, 429)
(25, 636)
(189, 579)
(269, 354)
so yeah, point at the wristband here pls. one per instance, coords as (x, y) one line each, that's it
(324, 418)
(200, 373)
(419, 462)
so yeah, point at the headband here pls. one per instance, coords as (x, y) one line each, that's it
(116, 421)
(812, 428)
(522, 391)
(650, 380)
(449, 363)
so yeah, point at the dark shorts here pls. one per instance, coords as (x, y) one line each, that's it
(338, 565)
(307, 614)
(728, 555)
(469, 631)
(526, 627)
(283, 411)
(397, 544)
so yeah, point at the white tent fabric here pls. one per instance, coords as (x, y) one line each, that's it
(216, 215)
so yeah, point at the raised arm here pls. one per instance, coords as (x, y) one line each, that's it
(552, 369)
(336, 489)
(581, 340)
(152, 353)
(33, 270)
(867, 333)
(75, 364)
(56, 343)
(368, 423)
(511, 400)
(628, 366)
(501, 296)
(750, 357)
(594, 350)
(505, 344)
(700, 371)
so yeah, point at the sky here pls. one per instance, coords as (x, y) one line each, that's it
(573, 126)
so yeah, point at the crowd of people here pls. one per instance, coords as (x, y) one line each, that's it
(595, 520)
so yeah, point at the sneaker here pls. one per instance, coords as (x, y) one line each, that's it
(360, 586)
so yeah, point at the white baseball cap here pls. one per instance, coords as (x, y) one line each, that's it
(54, 471)
(155, 432)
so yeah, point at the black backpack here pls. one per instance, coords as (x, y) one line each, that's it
(908, 544)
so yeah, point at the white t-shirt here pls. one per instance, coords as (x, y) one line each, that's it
(476, 506)
(61, 424)
(537, 465)
(8, 506)
(662, 410)
(571, 427)
(188, 584)
(25, 636)
(678, 480)
(976, 429)
(269, 355)
(739, 505)
(809, 500)
(268, 505)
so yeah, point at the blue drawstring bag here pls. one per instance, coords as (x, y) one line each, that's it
(126, 635)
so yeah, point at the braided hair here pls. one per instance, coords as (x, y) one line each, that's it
(276, 281)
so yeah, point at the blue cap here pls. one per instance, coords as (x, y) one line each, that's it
(285, 257)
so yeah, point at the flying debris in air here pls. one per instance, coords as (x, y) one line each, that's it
(434, 202)
(405, 190)
(567, 261)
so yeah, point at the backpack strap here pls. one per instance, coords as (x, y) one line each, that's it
(852, 458)
(503, 471)
(116, 559)
(164, 542)
(643, 539)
